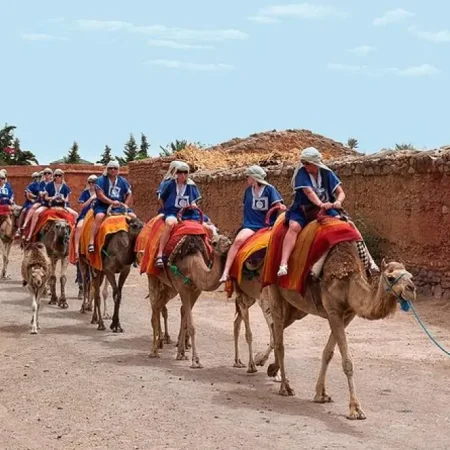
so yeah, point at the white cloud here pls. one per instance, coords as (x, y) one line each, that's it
(42, 37)
(163, 32)
(393, 16)
(362, 50)
(175, 64)
(432, 36)
(301, 10)
(176, 45)
(263, 19)
(412, 71)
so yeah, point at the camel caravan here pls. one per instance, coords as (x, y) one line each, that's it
(305, 258)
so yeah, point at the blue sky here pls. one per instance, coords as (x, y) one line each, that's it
(203, 70)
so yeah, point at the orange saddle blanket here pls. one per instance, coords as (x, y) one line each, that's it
(147, 244)
(312, 242)
(50, 215)
(111, 225)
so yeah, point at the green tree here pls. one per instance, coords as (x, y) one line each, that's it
(73, 157)
(173, 147)
(130, 151)
(144, 148)
(106, 156)
(10, 151)
(404, 147)
(352, 143)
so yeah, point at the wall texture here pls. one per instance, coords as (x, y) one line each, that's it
(75, 176)
(402, 198)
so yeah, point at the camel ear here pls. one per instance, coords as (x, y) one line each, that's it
(383, 265)
(128, 219)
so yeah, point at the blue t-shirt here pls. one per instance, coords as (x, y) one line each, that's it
(256, 208)
(84, 197)
(33, 188)
(174, 201)
(63, 193)
(6, 194)
(114, 191)
(324, 186)
(161, 186)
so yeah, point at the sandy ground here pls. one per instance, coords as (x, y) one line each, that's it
(75, 387)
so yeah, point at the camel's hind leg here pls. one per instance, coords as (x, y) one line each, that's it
(327, 355)
(165, 315)
(262, 357)
(106, 315)
(96, 279)
(52, 282)
(155, 297)
(243, 303)
(117, 295)
(62, 303)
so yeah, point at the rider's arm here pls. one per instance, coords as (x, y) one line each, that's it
(312, 196)
(102, 197)
(340, 197)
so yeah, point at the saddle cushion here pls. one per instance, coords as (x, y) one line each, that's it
(50, 215)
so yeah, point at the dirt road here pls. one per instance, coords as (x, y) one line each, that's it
(74, 387)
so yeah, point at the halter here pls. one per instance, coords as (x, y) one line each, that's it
(404, 304)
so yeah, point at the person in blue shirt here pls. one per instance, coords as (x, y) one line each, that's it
(31, 194)
(176, 194)
(86, 200)
(56, 195)
(259, 198)
(48, 177)
(111, 190)
(6, 192)
(170, 175)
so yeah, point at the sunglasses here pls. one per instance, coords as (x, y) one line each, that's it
(47, 173)
(182, 171)
(57, 176)
(113, 168)
(91, 182)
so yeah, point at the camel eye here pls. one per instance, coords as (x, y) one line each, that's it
(391, 278)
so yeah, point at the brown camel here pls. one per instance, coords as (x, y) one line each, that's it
(36, 271)
(188, 276)
(56, 240)
(8, 228)
(343, 293)
(117, 255)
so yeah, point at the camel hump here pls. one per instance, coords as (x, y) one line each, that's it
(190, 245)
(342, 261)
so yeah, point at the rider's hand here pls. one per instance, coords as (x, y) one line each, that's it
(326, 206)
(115, 203)
(337, 204)
(282, 207)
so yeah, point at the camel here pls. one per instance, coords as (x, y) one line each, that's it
(118, 255)
(86, 289)
(190, 277)
(342, 293)
(8, 228)
(36, 271)
(56, 240)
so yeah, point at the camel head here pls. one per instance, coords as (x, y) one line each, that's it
(61, 229)
(398, 280)
(136, 225)
(38, 276)
(221, 243)
(16, 210)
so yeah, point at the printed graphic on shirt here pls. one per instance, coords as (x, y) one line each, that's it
(181, 201)
(260, 203)
(114, 192)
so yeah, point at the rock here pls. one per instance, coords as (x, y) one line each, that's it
(445, 210)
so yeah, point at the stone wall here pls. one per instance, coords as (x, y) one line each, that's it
(75, 176)
(399, 199)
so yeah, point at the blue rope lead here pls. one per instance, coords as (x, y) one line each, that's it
(435, 342)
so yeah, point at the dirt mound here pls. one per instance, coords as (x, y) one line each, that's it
(266, 149)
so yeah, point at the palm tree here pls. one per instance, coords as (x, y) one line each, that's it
(404, 147)
(173, 147)
(352, 143)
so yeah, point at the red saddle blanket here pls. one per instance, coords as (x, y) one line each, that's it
(50, 215)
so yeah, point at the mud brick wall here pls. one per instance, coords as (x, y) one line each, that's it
(402, 198)
(75, 175)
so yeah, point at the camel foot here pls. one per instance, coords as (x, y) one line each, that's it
(167, 339)
(82, 310)
(252, 368)
(34, 330)
(322, 398)
(107, 316)
(260, 359)
(181, 358)
(154, 354)
(286, 390)
(356, 413)
(80, 294)
(53, 301)
(94, 320)
(116, 328)
(276, 378)
(239, 364)
(101, 327)
(272, 370)
(63, 303)
(196, 365)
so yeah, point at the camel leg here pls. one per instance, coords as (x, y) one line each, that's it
(106, 315)
(6, 250)
(35, 310)
(182, 336)
(188, 305)
(115, 325)
(262, 357)
(243, 304)
(52, 282)
(278, 309)
(97, 314)
(337, 325)
(327, 355)
(237, 329)
(155, 297)
(165, 315)
(63, 280)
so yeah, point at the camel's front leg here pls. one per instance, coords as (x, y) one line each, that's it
(156, 325)
(244, 304)
(34, 308)
(6, 250)
(117, 292)
(191, 329)
(165, 315)
(106, 315)
(52, 282)
(278, 308)
(262, 357)
(63, 280)
(237, 329)
(337, 325)
(96, 281)
(182, 336)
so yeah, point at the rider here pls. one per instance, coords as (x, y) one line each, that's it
(31, 195)
(48, 175)
(56, 195)
(259, 197)
(86, 200)
(111, 190)
(316, 187)
(177, 193)
(6, 192)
